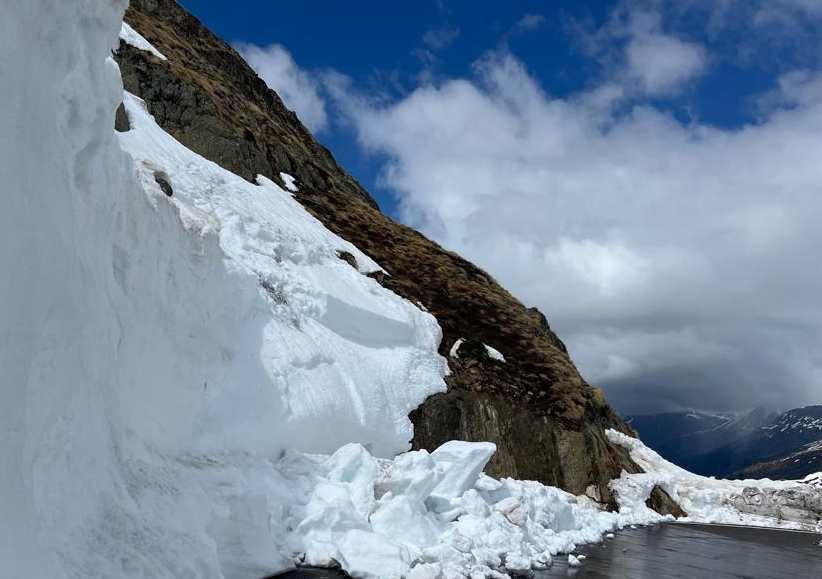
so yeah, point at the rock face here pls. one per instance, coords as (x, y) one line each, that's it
(547, 423)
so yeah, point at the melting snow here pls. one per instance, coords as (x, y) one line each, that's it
(135, 39)
(454, 352)
(288, 181)
(494, 354)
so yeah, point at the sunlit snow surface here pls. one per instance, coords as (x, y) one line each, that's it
(135, 39)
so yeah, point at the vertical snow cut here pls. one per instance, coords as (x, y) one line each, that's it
(160, 353)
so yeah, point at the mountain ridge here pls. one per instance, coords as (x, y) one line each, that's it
(754, 444)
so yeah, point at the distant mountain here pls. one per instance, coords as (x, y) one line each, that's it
(727, 445)
(796, 465)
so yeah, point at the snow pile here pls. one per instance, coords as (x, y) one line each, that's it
(326, 354)
(432, 515)
(135, 39)
(762, 503)
(159, 353)
(436, 516)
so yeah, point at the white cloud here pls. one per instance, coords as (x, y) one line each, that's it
(679, 262)
(299, 89)
(439, 38)
(531, 22)
(663, 64)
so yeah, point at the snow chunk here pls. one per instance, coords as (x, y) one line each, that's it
(288, 181)
(135, 39)
(454, 352)
(462, 463)
(574, 561)
(494, 354)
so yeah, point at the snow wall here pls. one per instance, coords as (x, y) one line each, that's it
(157, 352)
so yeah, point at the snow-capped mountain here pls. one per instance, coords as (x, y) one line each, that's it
(797, 464)
(727, 445)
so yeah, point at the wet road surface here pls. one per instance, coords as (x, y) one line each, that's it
(697, 552)
(678, 551)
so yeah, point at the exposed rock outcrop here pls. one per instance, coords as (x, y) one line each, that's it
(546, 421)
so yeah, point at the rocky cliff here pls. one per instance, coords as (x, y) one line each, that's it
(546, 421)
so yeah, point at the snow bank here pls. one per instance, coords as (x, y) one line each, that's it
(325, 354)
(435, 516)
(160, 353)
(760, 503)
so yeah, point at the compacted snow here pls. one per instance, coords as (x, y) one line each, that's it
(196, 386)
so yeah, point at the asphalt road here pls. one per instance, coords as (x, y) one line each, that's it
(678, 551)
(698, 552)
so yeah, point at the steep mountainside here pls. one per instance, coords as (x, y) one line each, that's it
(547, 422)
(732, 446)
(796, 465)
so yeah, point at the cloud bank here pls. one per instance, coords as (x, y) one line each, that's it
(680, 262)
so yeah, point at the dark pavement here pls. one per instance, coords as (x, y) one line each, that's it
(697, 552)
(678, 551)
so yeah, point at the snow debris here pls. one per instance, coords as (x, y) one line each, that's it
(494, 354)
(454, 352)
(757, 503)
(135, 39)
(574, 561)
(288, 181)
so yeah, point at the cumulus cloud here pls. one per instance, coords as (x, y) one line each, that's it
(663, 64)
(678, 261)
(299, 89)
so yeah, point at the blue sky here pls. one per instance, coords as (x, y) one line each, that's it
(382, 47)
(645, 172)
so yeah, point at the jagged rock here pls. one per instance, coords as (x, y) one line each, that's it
(547, 422)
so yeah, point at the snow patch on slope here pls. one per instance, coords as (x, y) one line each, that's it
(494, 354)
(135, 39)
(289, 182)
